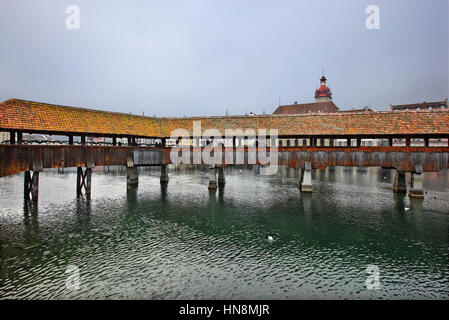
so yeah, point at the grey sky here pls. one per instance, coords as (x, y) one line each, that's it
(189, 57)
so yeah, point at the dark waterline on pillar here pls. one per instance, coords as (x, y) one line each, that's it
(178, 240)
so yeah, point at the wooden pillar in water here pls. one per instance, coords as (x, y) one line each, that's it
(164, 174)
(83, 181)
(221, 176)
(31, 185)
(212, 178)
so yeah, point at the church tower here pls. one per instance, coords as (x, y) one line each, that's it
(323, 93)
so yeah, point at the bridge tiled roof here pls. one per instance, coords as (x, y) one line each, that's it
(37, 116)
(40, 117)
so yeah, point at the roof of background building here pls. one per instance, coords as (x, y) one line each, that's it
(306, 108)
(423, 105)
(366, 109)
(31, 116)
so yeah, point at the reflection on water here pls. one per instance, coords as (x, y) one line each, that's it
(181, 241)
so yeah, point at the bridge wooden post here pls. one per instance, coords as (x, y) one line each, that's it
(83, 140)
(300, 177)
(71, 140)
(12, 137)
(31, 186)
(19, 137)
(426, 142)
(212, 178)
(221, 176)
(399, 185)
(348, 143)
(83, 181)
(164, 174)
(164, 142)
(390, 142)
(407, 142)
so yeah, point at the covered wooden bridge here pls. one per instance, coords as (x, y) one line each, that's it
(409, 141)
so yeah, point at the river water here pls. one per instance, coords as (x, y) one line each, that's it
(184, 242)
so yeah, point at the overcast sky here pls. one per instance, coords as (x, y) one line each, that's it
(195, 57)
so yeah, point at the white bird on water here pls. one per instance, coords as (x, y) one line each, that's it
(406, 209)
(270, 239)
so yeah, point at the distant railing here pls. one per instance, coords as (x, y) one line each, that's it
(66, 142)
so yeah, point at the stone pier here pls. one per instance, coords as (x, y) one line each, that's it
(221, 177)
(164, 174)
(212, 178)
(416, 187)
(306, 178)
(132, 176)
(399, 185)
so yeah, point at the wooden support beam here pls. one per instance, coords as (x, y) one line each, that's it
(19, 137)
(31, 185)
(83, 181)
(348, 142)
(83, 140)
(12, 137)
(426, 142)
(71, 140)
(114, 141)
(407, 142)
